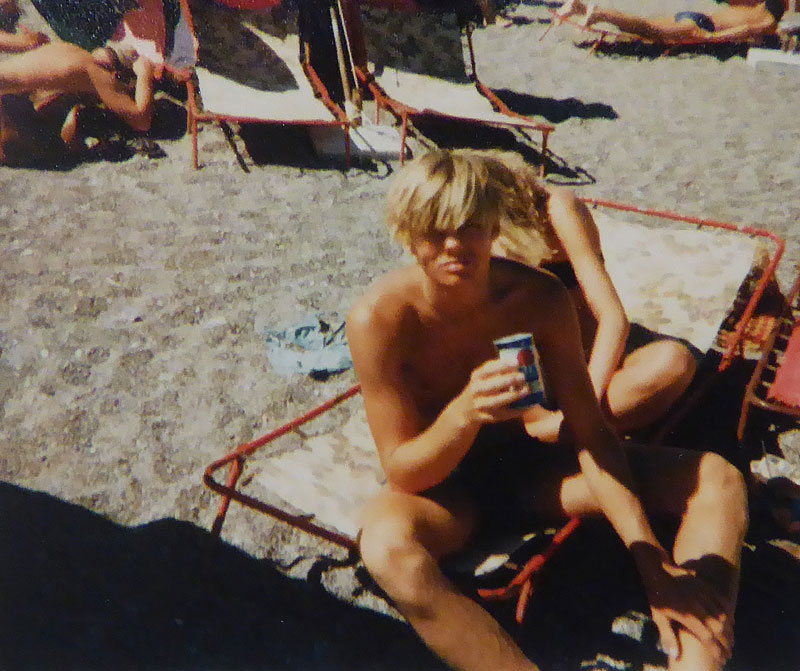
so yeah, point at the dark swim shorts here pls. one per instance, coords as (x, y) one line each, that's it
(498, 475)
(702, 21)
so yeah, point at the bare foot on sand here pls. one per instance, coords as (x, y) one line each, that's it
(576, 7)
(570, 8)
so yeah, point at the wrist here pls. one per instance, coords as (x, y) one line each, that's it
(650, 558)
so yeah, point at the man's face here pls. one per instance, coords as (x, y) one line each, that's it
(450, 257)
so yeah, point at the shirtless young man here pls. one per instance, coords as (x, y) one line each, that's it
(60, 67)
(437, 403)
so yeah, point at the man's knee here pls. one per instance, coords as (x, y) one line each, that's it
(719, 483)
(662, 365)
(396, 559)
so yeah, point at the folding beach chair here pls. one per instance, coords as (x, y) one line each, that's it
(775, 383)
(676, 275)
(159, 31)
(270, 81)
(417, 72)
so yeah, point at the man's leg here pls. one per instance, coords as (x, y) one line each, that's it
(650, 380)
(709, 497)
(402, 541)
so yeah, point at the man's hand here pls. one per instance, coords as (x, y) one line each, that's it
(543, 424)
(142, 67)
(680, 599)
(491, 388)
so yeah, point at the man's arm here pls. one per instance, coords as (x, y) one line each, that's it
(417, 453)
(21, 40)
(604, 465)
(137, 112)
(600, 454)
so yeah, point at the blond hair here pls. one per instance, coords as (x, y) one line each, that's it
(447, 189)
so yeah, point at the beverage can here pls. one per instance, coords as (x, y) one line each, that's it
(519, 349)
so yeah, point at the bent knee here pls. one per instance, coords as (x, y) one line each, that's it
(669, 365)
(396, 560)
(722, 484)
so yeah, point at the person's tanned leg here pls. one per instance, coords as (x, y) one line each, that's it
(710, 539)
(650, 380)
(402, 540)
(709, 497)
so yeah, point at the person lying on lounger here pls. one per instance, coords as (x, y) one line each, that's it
(457, 456)
(124, 86)
(636, 377)
(15, 37)
(742, 20)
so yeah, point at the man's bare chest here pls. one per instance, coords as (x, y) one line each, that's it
(441, 358)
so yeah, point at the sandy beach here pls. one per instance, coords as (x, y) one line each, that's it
(133, 298)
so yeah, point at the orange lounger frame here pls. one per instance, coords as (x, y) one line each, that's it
(775, 383)
(522, 584)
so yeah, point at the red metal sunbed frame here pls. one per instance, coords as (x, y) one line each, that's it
(522, 583)
(195, 115)
(781, 356)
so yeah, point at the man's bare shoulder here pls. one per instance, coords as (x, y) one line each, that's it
(387, 304)
(512, 280)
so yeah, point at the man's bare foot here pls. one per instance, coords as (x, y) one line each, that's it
(570, 8)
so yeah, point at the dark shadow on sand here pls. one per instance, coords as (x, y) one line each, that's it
(555, 111)
(83, 593)
(647, 51)
(291, 145)
(454, 134)
(80, 592)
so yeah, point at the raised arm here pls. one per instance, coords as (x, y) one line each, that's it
(417, 452)
(578, 235)
(136, 111)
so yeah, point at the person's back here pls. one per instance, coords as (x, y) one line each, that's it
(54, 66)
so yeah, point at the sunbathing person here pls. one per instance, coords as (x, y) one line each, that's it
(636, 378)
(742, 20)
(15, 37)
(125, 88)
(456, 456)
